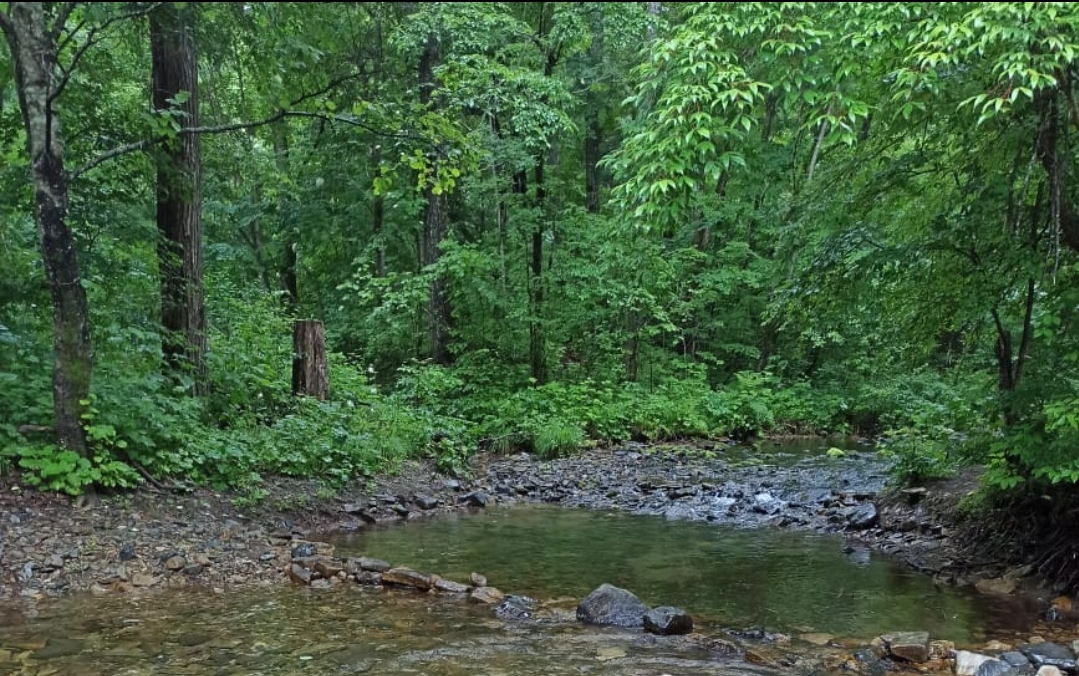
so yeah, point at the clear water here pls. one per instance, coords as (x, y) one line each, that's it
(725, 577)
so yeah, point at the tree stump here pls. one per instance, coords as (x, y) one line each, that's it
(310, 375)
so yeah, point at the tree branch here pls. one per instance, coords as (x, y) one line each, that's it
(90, 42)
(61, 19)
(235, 126)
(6, 26)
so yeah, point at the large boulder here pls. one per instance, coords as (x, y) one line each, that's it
(610, 605)
(1050, 654)
(912, 646)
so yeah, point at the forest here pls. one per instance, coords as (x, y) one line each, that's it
(536, 227)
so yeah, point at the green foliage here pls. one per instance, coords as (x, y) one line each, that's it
(56, 469)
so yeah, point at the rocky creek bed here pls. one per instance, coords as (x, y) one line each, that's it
(143, 542)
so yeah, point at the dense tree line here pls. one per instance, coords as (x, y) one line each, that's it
(534, 225)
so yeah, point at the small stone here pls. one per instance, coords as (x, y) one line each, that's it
(175, 563)
(267, 556)
(515, 607)
(478, 580)
(475, 499)
(202, 560)
(941, 650)
(231, 529)
(1015, 658)
(193, 570)
(993, 667)
(862, 516)
(996, 646)
(304, 550)
(487, 595)
(1049, 670)
(817, 638)
(1052, 654)
(967, 662)
(327, 567)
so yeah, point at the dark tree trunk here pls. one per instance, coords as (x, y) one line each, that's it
(593, 139)
(33, 51)
(287, 266)
(435, 227)
(179, 195)
(378, 219)
(537, 344)
(310, 374)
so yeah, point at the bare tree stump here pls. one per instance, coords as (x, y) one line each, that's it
(310, 375)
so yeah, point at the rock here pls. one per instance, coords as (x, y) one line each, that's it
(967, 662)
(231, 529)
(610, 605)
(995, 586)
(993, 667)
(127, 551)
(488, 595)
(406, 577)
(817, 638)
(299, 574)
(426, 501)
(862, 516)
(475, 499)
(175, 563)
(515, 607)
(1015, 658)
(478, 580)
(376, 565)
(449, 586)
(304, 550)
(668, 621)
(941, 650)
(143, 580)
(1049, 670)
(192, 570)
(912, 646)
(327, 568)
(369, 577)
(1051, 654)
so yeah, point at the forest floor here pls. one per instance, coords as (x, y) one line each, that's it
(153, 537)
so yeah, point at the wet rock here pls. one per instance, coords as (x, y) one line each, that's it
(369, 577)
(477, 579)
(912, 646)
(862, 516)
(304, 550)
(487, 595)
(1051, 654)
(610, 605)
(515, 607)
(475, 499)
(406, 577)
(667, 621)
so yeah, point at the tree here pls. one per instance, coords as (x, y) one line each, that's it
(179, 192)
(32, 35)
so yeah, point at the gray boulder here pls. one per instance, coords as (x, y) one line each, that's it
(667, 621)
(610, 605)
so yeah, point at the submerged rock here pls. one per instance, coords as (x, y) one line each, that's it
(406, 577)
(515, 607)
(488, 595)
(610, 605)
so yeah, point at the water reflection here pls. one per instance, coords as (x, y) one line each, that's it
(783, 580)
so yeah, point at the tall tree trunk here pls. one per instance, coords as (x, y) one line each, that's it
(33, 50)
(378, 218)
(435, 226)
(287, 265)
(593, 139)
(537, 344)
(179, 195)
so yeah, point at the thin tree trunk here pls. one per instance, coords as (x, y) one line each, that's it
(537, 347)
(593, 139)
(378, 219)
(179, 195)
(287, 265)
(33, 51)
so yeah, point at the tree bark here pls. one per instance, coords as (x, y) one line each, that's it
(179, 195)
(310, 374)
(435, 227)
(287, 266)
(34, 52)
